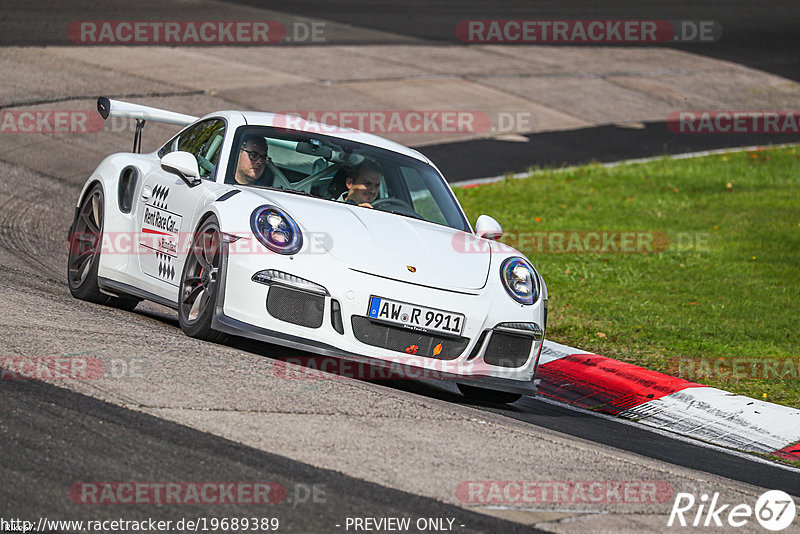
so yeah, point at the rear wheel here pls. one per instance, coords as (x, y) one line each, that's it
(200, 283)
(85, 243)
(487, 395)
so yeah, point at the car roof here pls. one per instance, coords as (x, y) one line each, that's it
(292, 122)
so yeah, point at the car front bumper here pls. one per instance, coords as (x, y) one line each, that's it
(491, 352)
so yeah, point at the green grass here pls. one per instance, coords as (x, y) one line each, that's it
(684, 310)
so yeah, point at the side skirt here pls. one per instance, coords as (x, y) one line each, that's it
(119, 289)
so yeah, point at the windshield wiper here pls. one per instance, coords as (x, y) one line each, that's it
(295, 191)
(271, 188)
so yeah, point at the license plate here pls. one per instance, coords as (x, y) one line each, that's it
(416, 317)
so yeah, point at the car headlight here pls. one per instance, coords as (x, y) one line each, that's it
(276, 230)
(520, 280)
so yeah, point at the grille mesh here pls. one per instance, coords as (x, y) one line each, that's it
(399, 339)
(508, 350)
(296, 307)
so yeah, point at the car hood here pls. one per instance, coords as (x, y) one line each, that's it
(388, 245)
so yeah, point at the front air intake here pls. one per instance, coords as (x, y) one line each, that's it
(408, 341)
(508, 350)
(295, 306)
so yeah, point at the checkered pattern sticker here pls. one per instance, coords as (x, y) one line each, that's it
(160, 194)
(165, 268)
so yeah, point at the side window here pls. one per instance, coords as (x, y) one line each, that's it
(204, 140)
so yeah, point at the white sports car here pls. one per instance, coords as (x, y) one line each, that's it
(248, 226)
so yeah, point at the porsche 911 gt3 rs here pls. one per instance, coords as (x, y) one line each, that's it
(290, 259)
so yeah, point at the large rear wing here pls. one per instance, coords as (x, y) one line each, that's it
(116, 108)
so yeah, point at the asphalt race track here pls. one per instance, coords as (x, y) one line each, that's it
(167, 408)
(575, 147)
(53, 437)
(764, 38)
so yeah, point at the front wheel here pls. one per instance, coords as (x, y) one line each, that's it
(200, 283)
(487, 395)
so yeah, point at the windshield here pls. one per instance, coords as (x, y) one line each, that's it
(338, 170)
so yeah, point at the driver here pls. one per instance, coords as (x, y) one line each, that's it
(363, 185)
(252, 165)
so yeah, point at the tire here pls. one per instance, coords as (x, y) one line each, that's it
(488, 395)
(199, 287)
(85, 244)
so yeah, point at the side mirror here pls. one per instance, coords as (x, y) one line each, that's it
(488, 228)
(184, 165)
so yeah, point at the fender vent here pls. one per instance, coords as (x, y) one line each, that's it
(126, 188)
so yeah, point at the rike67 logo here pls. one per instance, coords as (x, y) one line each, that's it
(774, 510)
